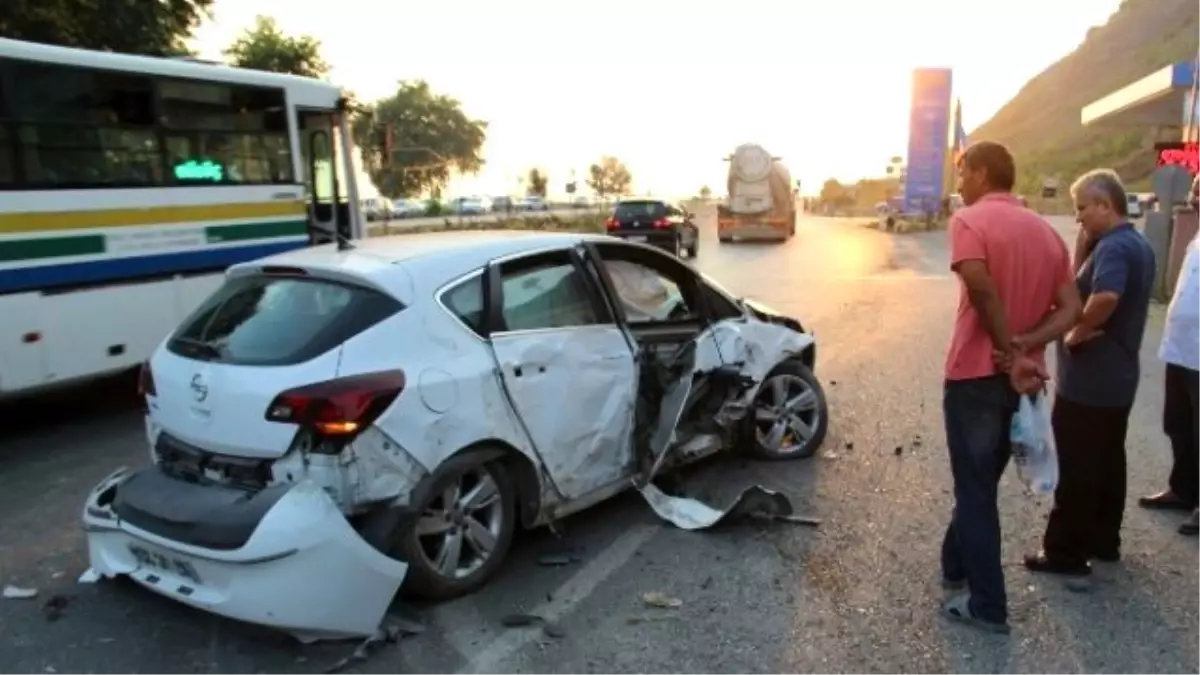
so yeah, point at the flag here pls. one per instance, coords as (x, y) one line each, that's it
(960, 134)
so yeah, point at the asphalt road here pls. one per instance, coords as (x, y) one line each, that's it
(858, 594)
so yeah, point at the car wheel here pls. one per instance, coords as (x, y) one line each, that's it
(462, 530)
(789, 417)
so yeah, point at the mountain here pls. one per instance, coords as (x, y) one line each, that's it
(1041, 123)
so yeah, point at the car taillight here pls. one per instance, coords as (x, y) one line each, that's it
(612, 224)
(662, 223)
(339, 408)
(146, 386)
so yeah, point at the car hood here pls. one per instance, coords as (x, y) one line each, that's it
(764, 313)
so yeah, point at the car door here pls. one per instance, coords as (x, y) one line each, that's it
(567, 366)
(664, 305)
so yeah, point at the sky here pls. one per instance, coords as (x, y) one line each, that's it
(671, 87)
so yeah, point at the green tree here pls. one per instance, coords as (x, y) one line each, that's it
(265, 47)
(609, 177)
(413, 141)
(153, 27)
(538, 182)
(705, 192)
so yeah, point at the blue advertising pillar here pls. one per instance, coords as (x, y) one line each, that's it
(928, 140)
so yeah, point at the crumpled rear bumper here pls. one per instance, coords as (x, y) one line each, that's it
(303, 569)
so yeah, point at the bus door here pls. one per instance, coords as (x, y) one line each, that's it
(328, 182)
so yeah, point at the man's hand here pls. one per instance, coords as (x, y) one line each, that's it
(1018, 346)
(1026, 375)
(1079, 335)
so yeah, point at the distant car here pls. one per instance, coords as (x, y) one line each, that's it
(655, 222)
(376, 208)
(502, 204)
(1133, 205)
(468, 206)
(580, 203)
(408, 208)
(533, 204)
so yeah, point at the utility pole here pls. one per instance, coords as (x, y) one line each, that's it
(1193, 130)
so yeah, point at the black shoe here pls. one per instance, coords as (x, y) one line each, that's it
(1038, 562)
(1165, 500)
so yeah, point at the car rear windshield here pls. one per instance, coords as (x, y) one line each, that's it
(278, 320)
(630, 210)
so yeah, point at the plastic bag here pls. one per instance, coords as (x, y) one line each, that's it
(1033, 444)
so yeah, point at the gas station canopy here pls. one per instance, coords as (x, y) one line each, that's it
(1160, 98)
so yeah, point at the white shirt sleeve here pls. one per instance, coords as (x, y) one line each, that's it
(1181, 332)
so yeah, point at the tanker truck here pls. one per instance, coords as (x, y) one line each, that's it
(760, 202)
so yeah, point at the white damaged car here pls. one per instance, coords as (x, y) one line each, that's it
(333, 424)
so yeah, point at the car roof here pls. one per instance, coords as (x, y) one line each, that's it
(405, 264)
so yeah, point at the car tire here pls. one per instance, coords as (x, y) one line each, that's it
(796, 378)
(424, 579)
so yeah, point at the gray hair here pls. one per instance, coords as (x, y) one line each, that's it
(1103, 183)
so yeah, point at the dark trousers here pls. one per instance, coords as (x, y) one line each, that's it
(978, 414)
(1089, 503)
(1179, 423)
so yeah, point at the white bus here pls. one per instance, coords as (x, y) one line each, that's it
(128, 184)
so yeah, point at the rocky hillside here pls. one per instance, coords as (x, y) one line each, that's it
(1041, 123)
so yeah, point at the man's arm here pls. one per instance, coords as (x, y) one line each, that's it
(968, 259)
(1110, 270)
(1083, 248)
(982, 293)
(1062, 317)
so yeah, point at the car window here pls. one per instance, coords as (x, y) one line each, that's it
(550, 294)
(646, 294)
(267, 320)
(648, 209)
(465, 301)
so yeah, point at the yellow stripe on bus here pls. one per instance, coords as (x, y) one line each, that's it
(43, 221)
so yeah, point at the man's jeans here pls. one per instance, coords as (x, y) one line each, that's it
(978, 414)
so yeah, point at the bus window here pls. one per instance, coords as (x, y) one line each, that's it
(6, 157)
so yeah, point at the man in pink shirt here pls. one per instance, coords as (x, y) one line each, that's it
(1017, 294)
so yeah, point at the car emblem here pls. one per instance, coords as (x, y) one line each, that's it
(199, 388)
(637, 223)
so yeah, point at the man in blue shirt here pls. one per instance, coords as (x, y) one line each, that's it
(1098, 374)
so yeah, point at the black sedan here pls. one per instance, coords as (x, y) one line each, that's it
(655, 222)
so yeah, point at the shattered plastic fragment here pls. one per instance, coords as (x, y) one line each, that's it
(661, 600)
(690, 514)
(390, 631)
(18, 593)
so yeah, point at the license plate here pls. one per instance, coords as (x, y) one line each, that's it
(165, 563)
(637, 239)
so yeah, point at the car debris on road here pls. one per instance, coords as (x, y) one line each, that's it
(387, 415)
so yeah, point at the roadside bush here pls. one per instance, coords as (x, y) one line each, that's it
(590, 222)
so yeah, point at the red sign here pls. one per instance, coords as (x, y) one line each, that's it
(1186, 155)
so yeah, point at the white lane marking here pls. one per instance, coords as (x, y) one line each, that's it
(576, 589)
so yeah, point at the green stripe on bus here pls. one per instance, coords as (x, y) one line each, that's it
(278, 228)
(51, 247)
